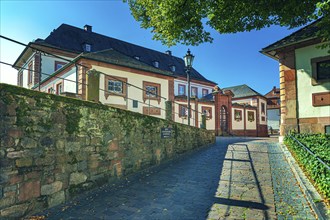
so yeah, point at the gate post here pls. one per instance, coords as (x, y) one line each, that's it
(93, 82)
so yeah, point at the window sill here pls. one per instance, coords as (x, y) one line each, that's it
(107, 94)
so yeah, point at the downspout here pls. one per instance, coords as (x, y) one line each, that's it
(77, 86)
(297, 103)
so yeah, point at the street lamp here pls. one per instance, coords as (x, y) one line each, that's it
(188, 60)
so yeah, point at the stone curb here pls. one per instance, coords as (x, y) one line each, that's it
(307, 188)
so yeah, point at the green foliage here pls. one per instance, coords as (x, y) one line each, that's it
(73, 117)
(319, 144)
(182, 21)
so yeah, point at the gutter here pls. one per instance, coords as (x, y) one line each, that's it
(266, 52)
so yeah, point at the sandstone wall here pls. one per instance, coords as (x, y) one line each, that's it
(54, 147)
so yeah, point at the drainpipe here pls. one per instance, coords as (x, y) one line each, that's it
(77, 86)
(297, 103)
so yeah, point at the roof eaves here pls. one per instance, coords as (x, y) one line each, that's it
(131, 66)
(20, 56)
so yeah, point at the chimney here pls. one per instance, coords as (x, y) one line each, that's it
(168, 52)
(88, 28)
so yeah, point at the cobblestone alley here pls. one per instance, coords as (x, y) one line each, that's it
(238, 178)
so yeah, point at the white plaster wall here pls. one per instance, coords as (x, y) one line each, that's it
(133, 93)
(210, 124)
(70, 86)
(25, 71)
(305, 88)
(67, 86)
(251, 125)
(48, 64)
(192, 84)
(181, 119)
(237, 125)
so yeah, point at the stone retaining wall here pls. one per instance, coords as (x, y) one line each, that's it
(54, 147)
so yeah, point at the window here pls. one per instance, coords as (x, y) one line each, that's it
(205, 92)
(87, 47)
(156, 64)
(207, 111)
(59, 89)
(30, 73)
(135, 103)
(183, 111)
(50, 90)
(115, 86)
(137, 57)
(327, 129)
(194, 91)
(263, 108)
(172, 67)
(320, 69)
(152, 91)
(182, 89)
(58, 65)
(250, 116)
(238, 115)
(323, 70)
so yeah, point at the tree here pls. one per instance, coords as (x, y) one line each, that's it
(184, 21)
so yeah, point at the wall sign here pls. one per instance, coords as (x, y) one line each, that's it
(165, 133)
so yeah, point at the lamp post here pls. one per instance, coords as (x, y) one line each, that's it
(188, 60)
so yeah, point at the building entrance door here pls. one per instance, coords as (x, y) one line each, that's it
(224, 120)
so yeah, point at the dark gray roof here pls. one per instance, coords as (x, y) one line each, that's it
(243, 105)
(208, 97)
(306, 33)
(242, 91)
(71, 38)
(114, 57)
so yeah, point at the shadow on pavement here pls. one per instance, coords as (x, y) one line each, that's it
(183, 188)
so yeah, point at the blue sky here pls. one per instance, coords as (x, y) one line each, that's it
(232, 59)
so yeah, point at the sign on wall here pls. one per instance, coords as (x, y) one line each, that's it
(165, 133)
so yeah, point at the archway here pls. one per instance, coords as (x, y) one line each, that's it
(224, 120)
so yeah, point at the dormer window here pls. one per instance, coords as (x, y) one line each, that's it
(87, 47)
(172, 67)
(156, 64)
(137, 57)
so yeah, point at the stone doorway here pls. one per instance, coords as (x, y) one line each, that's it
(224, 120)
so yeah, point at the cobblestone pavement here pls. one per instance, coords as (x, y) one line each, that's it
(231, 180)
(290, 204)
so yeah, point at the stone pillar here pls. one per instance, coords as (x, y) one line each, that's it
(171, 95)
(288, 92)
(93, 88)
(37, 68)
(196, 112)
(217, 106)
(168, 109)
